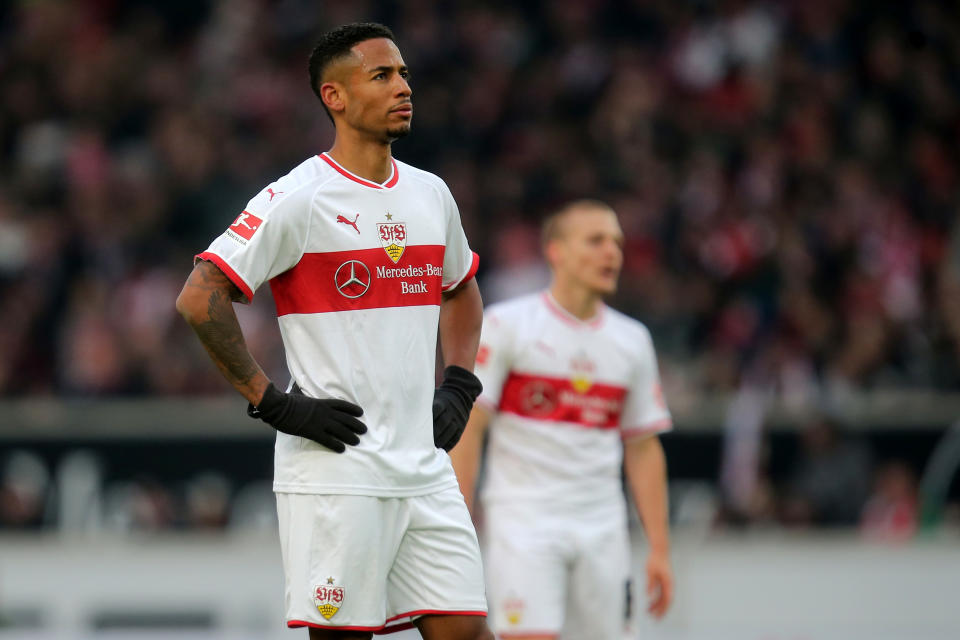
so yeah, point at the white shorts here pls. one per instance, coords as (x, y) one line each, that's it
(375, 564)
(551, 574)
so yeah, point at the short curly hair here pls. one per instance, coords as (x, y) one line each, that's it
(336, 44)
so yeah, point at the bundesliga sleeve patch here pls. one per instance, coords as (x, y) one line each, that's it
(483, 354)
(245, 225)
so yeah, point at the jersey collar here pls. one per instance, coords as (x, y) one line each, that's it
(390, 182)
(554, 307)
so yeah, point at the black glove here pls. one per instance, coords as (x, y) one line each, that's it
(330, 422)
(452, 402)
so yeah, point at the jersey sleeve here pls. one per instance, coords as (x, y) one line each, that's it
(265, 240)
(494, 359)
(459, 262)
(646, 411)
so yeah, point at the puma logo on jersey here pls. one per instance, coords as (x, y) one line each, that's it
(352, 223)
(543, 346)
(272, 193)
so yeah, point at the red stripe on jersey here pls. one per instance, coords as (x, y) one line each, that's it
(558, 400)
(474, 265)
(367, 183)
(227, 271)
(360, 279)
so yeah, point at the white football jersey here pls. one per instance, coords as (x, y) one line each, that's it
(356, 270)
(565, 393)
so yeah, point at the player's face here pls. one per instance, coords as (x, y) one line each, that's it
(589, 251)
(378, 94)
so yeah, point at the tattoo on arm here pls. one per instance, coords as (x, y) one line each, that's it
(208, 276)
(219, 330)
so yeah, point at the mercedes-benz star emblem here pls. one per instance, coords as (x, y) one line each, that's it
(352, 279)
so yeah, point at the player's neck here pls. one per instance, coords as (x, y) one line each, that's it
(365, 159)
(581, 303)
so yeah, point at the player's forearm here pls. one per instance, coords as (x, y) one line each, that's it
(461, 317)
(206, 303)
(466, 455)
(646, 468)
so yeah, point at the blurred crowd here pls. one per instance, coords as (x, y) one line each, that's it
(79, 494)
(830, 480)
(786, 173)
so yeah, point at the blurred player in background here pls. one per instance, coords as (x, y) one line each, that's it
(571, 393)
(366, 259)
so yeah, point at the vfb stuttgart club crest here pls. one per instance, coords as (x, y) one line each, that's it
(328, 598)
(583, 370)
(393, 237)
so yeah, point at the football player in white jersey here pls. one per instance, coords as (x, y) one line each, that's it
(367, 261)
(571, 394)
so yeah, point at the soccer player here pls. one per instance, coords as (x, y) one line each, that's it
(571, 392)
(366, 259)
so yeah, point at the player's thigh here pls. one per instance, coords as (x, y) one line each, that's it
(337, 551)
(438, 627)
(334, 634)
(596, 602)
(438, 568)
(526, 566)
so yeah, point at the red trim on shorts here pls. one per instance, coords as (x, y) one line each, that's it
(434, 612)
(382, 629)
(367, 183)
(227, 271)
(593, 323)
(403, 626)
(474, 265)
(657, 426)
(295, 624)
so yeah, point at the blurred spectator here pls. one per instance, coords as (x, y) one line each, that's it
(517, 267)
(746, 492)
(785, 173)
(24, 490)
(207, 501)
(831, 479)
(139, 505)
(79, 479)
(891, 513)
(254, 508)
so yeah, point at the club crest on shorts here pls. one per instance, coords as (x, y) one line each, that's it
(393, 238)
(513, 610)
(328, 598)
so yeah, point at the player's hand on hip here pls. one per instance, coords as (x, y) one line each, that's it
(659, 584)
(329, 422)
(452, 402)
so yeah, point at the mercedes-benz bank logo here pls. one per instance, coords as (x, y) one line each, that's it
(352, 279)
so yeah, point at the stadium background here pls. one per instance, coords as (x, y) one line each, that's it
(787, 177)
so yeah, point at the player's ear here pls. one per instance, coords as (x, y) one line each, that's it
(552, 252)
(333, 96)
